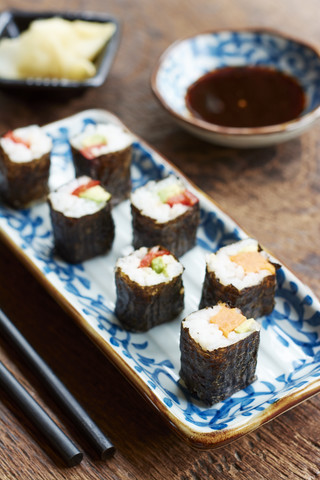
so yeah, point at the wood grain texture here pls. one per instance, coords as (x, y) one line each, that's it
(273, 193)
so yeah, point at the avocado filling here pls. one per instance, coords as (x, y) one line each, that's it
(169, 192)
(159, 266)
(94, 140)
(96, 193)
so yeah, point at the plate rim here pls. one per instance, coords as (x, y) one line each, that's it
(197, 439)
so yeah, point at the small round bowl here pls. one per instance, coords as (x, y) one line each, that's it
(187, 60)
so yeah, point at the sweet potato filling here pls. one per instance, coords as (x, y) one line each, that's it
(252, 262)
(227, 319)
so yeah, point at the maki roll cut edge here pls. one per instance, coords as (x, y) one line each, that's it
(103, 152)
(149, 288)
(81, 219)
(242, 275)
(165, 212)
(219, 348)
(24, 165)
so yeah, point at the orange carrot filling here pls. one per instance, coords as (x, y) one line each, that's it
(227, 319)
(252, 262)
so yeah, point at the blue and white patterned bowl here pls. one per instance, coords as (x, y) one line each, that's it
(187, 60)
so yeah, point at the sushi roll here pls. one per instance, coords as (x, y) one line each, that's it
(103, 152)
(24, 165)
(149, 288)
(219, 348)
(242, 275)
(165, 212)
(81, 219)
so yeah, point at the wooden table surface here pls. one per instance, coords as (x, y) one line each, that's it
(274, 193)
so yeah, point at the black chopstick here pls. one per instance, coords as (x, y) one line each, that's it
(59, 392)
(57, 439)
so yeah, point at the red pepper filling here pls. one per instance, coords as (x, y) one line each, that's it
(82, 188)
(185, 198)
(16, 139)
(153, 253)
(88, 151)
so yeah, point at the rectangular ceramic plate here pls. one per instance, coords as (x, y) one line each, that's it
(288, 367)
(14, 22)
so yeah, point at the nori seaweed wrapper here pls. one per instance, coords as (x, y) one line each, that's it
(215, 375)
(177, 235)
(112, 169)
(78, 239)
(23, 182)
(140, 308)
(254, 301)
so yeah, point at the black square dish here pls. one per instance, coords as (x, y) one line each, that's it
(14, 22)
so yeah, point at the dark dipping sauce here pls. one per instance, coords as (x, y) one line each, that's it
(243, 97)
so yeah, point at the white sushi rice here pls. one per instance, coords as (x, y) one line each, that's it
(146, 276)
(228, 272)
(147, 200)
(40, 144)
(208, 335)
(73, 206)
(117, 138)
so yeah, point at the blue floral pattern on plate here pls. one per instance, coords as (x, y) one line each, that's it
(289, 357)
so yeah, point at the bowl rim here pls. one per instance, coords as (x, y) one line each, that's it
(297, 123)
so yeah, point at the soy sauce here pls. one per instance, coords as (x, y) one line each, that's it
(251, 96)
